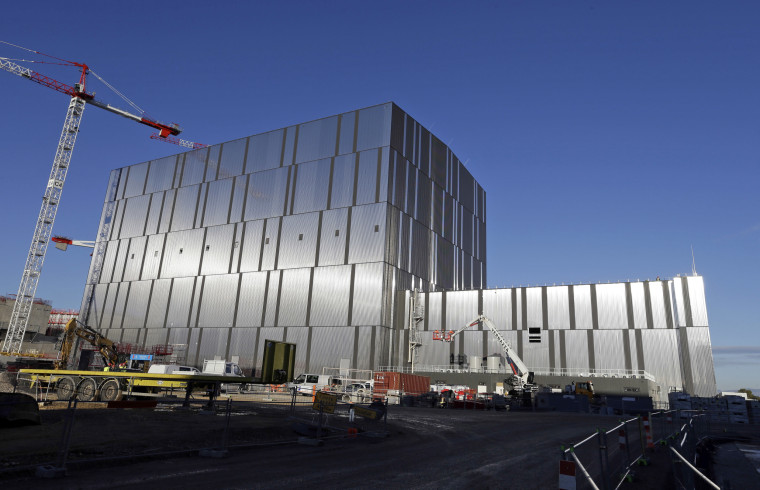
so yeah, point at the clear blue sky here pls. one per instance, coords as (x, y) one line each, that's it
(610, 137)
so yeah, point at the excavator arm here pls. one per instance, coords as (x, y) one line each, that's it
(75, 329)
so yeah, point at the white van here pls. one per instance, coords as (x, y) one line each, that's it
(171, 369)
(311, 383)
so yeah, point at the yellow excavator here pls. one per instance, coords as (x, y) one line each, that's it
(75, 329)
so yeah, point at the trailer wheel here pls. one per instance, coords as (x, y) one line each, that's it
(110, 391)
(66, 388)
(86, 390)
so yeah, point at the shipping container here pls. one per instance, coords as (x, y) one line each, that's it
(401, 383)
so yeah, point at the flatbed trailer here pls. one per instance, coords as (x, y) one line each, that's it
(108, 386)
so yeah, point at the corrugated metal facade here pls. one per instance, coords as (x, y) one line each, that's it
(656, 326)
(300, 234)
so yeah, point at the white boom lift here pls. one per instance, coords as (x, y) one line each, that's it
(521, 379)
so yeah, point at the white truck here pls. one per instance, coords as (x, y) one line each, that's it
(308, 383)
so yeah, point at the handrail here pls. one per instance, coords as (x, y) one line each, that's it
(709, 482)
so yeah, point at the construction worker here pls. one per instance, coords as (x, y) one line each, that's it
(107, 367)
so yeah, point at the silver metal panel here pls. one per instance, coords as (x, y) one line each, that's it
(630, 337)
(154, 213)
(638, 301)
(264, 151)
(365, 349)
(411, 190)
(135, 215)
(119, 304)
(432, 353)
(398, 191)
(677, 299)
(535, 309)
(374, 127)
(497, 306)
(131, 336)
(300, 337)
(213, 344)
(195, 167)
(472, 341)
(535, 355)
(332, 244)
(137, 304)
(288, 152)
(233, 156)
(437, 197)
(217, 308)
(404, 240)
(96, 307)
(608, 349)
(468, 232)
(294, 297)
(659, 318)
(238, 196)
(346, 143)
(697, 300)
(184, 208)
(368, 289)
(659, 348)
(237, 242)
(582, 299)
(434, 310)
(180, 301)
(159, 302)
(367, 241)
(161, 174)
(420, 250)
(466, 271)
(316, 139)
(444, 263)
(366, 183)
(152, 258)
(576, 349)
(136, 180)
(558, 308)
(329, 345)
(273, 289)
(384, 174)
(108, 304)
(121, 257)
(312, 184)
(179, 336)
(266, 194)
(108, 261)
(212, 164)
(218, 202)
(330, 296)
(182, 253)
(461, 309)
(271, 235)
(611, 306)
(251, 301)
(243, 345)
(134, 258)
(217, 249)
(251, 249)
(298, 241)
(168, 209)
(700, 354)
(192, 347)
(343, 181)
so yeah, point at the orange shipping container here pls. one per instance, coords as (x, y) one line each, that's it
(408, 384)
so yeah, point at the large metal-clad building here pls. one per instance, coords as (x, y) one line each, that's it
(314, 234)
(300, 234)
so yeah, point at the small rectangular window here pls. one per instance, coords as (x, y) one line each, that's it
(300, 236)
(155, 253)
(208, 247)
(180, 250)
(377, 228)
(235, 245)
(337, 232)
(132, 256)
(266, 241)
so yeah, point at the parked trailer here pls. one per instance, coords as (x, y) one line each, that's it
(114, 385)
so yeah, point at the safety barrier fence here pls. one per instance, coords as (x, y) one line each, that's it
(266, 415)
(611, 457)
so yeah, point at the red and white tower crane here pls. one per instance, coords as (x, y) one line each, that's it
(54, 187)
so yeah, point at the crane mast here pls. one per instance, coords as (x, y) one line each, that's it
(43, 230)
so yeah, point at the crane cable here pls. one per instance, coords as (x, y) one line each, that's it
(117, 92)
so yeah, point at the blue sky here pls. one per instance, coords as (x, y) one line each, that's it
(611, 137)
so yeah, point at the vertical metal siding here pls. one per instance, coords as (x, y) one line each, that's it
(264, 151)
(137, 304)
(366, 244)
(558, 308)
(159, 302)
(135, 216)
(611, 305)
(161, 174)
(374, 128)
(343, 181)
(697, 301)
(639, 305)
(273, 289)
(461, 308)
(195, 167)
(154, 213)
(332, 247)
(266, 194)
(136, 180)
(700, 353)
(330, 296)
(251, 301)
(368, 289)
(184, 208)
(294, 297)
(182, 253)
(216, 249)
(659, 316)
(233, 155)
(251, 246)
(535, 315)
(576, 349)
(271, 234)
(316, 139)
(217, 203)
(312, 184)
(582, 301)
(167, 211)
(608, 349)
(179, 303)
(659, 348)
(298, 241)
(134, 258)
(243, 345)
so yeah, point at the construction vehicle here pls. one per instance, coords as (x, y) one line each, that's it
(74, 329)
(115, 382)
(521, 379)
